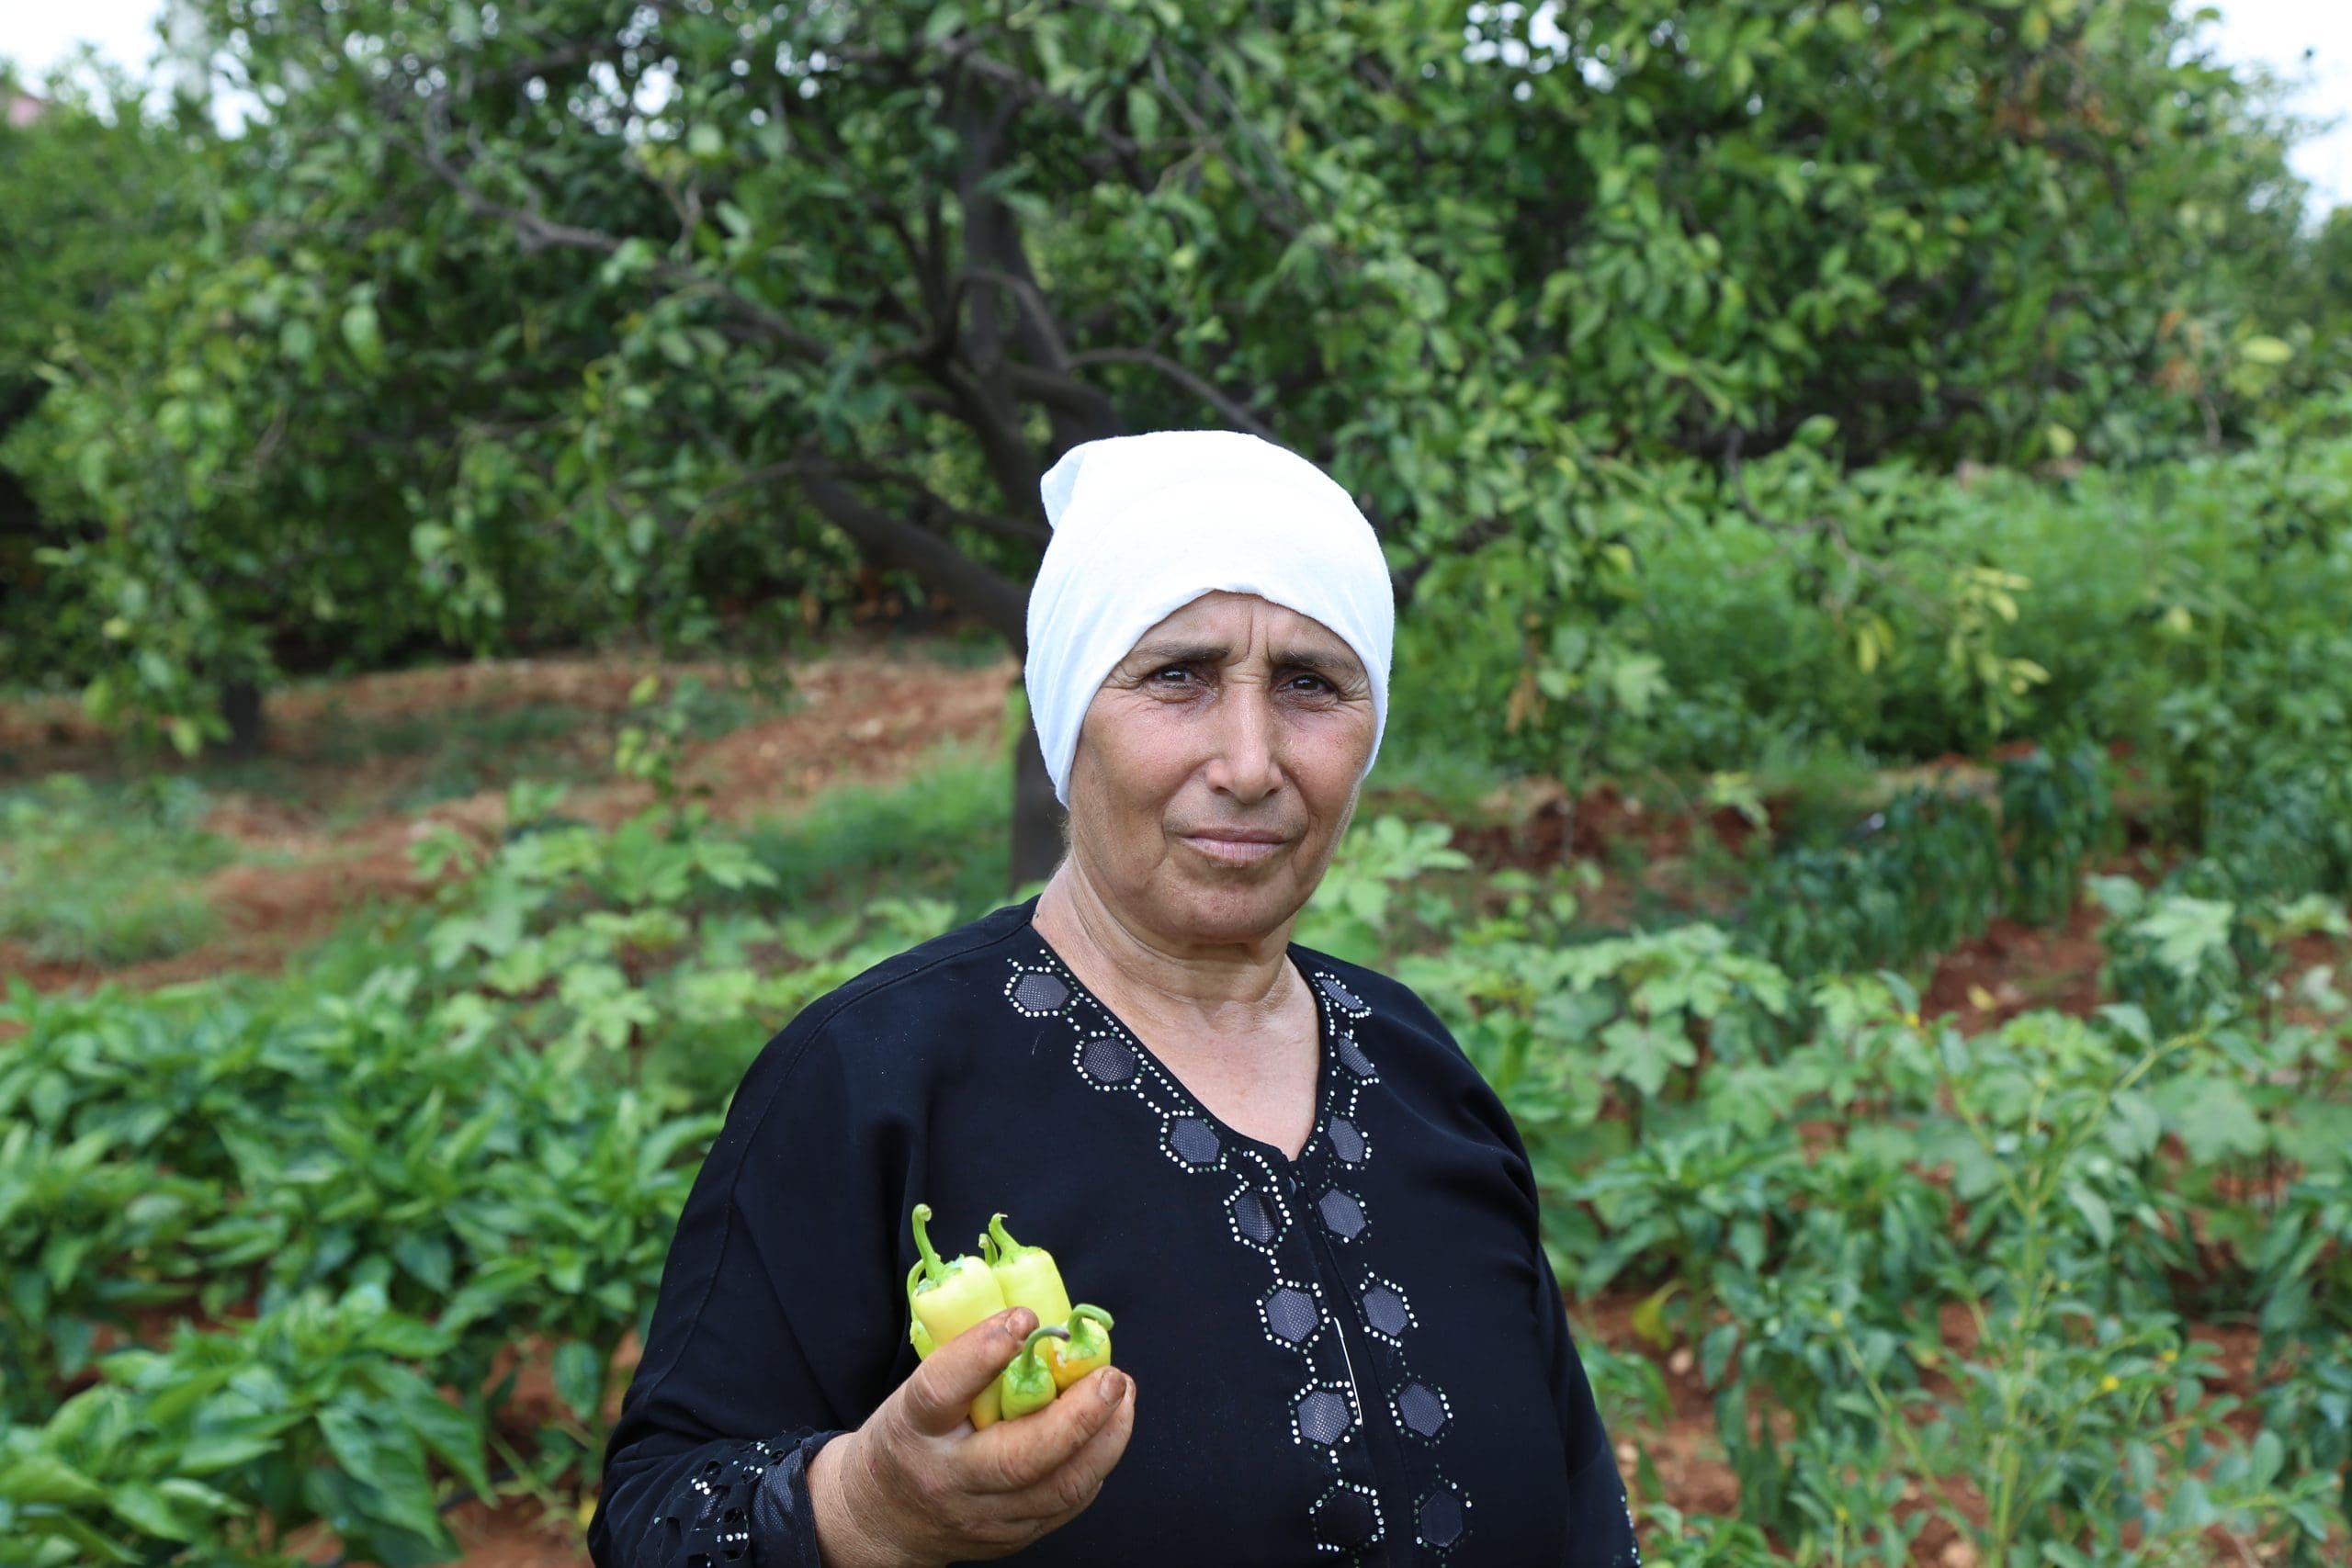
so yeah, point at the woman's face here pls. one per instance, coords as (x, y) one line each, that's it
(1217, 767)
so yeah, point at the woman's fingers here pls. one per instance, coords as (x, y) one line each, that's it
(1017, 1456)
(938, 1397)
(1070, 1488)
(919, 1473)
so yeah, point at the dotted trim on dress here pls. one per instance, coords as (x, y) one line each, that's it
(1339, 1489)
(1318, 1405)
(1348, 1143)
(1367, 1309)
(1284, 1302)
(1257, 1219)
(1036, 993)
(1344, 1217)
(1441, 1518)
(1418, 1403)
(1109, 1060)
(1332, 987)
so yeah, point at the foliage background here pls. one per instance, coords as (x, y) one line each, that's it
(1904, 446)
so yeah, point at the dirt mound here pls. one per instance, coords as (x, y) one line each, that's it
(2013, 967)
(864, 717)
(856, 719)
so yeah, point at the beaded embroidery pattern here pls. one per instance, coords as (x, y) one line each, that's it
(719, 1529)
(1417, 1408)
(1324, 1414)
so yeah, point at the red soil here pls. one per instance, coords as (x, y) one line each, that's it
(2013, 969)
(859, 716)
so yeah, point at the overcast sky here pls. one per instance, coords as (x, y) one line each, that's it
(2278, 32)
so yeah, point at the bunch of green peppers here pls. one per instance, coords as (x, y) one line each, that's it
(945, 1298)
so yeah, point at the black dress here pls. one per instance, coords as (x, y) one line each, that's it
(1357, 1357)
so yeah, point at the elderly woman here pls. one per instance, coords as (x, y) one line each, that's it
(1338, 1337)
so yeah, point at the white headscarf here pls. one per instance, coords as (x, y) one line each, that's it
(1145, 524)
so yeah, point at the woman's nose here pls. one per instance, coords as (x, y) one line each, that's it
(1244, 763)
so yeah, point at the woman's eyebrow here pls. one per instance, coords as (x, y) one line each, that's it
(1156, 654)
(1159, 653)
(1332, 666)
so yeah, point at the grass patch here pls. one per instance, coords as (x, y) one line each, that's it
(106, 875)
(942, 832)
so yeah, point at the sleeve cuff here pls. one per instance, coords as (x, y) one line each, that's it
(783, 1522)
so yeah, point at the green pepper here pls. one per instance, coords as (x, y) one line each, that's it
(1027, 1383)
(947, 1298)
(1088, 1346)
(917, 1335)
(1026, 1275)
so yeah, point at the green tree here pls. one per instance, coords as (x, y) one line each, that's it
(97, 195)
(555, 299)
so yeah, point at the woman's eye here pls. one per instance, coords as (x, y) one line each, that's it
(1172, 669)
(1319, 686)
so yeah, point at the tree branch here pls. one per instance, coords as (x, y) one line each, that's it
(1000, 604)
(1200, 386)
(930, 506)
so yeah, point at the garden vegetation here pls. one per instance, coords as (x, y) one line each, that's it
(1867, 487)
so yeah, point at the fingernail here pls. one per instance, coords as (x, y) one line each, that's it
(1112, 1386)
(1022, 1321)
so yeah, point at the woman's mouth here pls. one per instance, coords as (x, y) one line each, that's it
(1236, 848)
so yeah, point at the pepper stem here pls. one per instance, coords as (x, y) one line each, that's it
(1096, 1312)
(1006, 1247)
(933, 1268)
(1029, 1345)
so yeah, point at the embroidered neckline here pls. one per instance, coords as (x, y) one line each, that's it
(1270, 1194)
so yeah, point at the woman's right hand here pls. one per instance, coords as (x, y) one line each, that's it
(916, 1487)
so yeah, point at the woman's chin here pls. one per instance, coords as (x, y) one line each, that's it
(1225, 904)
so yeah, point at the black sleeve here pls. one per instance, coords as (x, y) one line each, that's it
(1600, 1523)
(776, 1326)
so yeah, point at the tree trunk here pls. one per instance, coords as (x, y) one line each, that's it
(1037, 815)
(248, 726)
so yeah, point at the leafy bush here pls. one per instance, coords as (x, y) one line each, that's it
(313, 1411)
(1919, 1273)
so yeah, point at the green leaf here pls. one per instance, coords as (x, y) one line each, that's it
(579, 1371)
(424, 1256)
(453, 1434)
(944, 23)
(2187, 932)
(364, 334)
(1648, 1316)
(43, 1478)
(144, 1508)
(1143, 114)
(2094, 1211)
(209, 1452)
(351, 1437)
(2213, 1118)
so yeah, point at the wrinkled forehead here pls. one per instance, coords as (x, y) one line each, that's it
(1226, 627)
